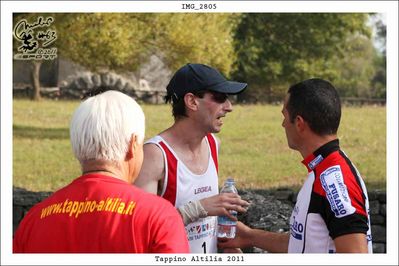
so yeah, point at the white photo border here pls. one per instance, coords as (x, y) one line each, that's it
(389, 8)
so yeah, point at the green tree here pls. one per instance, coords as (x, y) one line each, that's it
(125, 40)
(378, 81)
(275, 50)
(355, 68)
(103, 40)
(200, 38)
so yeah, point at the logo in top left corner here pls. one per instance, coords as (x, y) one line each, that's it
(35, 39)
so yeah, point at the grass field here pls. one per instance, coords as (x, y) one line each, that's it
(253, 151)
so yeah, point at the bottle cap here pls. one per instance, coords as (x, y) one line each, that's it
(230, 180)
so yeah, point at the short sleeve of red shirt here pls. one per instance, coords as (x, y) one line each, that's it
(170, 235)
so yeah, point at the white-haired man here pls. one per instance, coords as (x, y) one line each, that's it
(101, 211)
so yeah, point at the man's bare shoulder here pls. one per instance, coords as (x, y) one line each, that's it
(152, 149)
(152, 169)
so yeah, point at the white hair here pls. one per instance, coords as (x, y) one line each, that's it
(102, 126)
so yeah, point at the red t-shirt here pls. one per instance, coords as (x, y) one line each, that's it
(97, 213)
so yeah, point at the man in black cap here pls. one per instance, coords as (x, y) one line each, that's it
(181, 163)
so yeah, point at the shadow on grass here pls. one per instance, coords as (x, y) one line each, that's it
(40, 133)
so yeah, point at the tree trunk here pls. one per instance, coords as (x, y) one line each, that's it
(36, 80)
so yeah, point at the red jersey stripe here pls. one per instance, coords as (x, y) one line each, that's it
(349, 177)
(212, 145)
(171, 186)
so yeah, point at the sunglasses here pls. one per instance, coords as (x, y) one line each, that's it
(218, 97)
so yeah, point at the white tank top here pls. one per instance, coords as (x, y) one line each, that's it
(182, 186)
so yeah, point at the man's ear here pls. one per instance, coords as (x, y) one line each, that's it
(300, 123)
(132, 146)
(191, 101)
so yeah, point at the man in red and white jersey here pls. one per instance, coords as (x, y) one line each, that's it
(100, 211)
(181, 163)
(332, 210)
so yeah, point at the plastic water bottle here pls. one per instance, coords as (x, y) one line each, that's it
(226, 226)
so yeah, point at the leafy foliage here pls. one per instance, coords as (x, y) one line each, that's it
(102, 40)
(269, 51)
(380, 60)
(355, 68)
(198, 38)
(125, 40)
(274, 50)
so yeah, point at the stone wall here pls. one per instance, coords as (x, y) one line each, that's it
(148, 82)
(269, 210)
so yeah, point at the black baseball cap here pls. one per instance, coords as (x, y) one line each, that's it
(198, 77)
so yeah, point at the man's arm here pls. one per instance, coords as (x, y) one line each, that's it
(152, 171)
(351, 243)
(248, 237)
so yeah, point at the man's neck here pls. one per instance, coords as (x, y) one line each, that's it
(189, 143)
(185, 133)
(313, 143)
(105, 168)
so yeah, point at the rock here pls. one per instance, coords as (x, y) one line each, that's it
(120, 84)
(105, 80)
(383, 210)
(378, 194)
(156, 73)
(63, 83)
(112, 79)
(382, 197)
(96, 80)
(22, 197)
(374, 207)
(72, 86)
(378, 233)
(372, 196)
(87, 81)
(17, 214)
(71, 93)
(284, 195)
(129, 87)
(265, 212)
(294, 198)
(377, 219)
(378, 248)
(80, 84)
